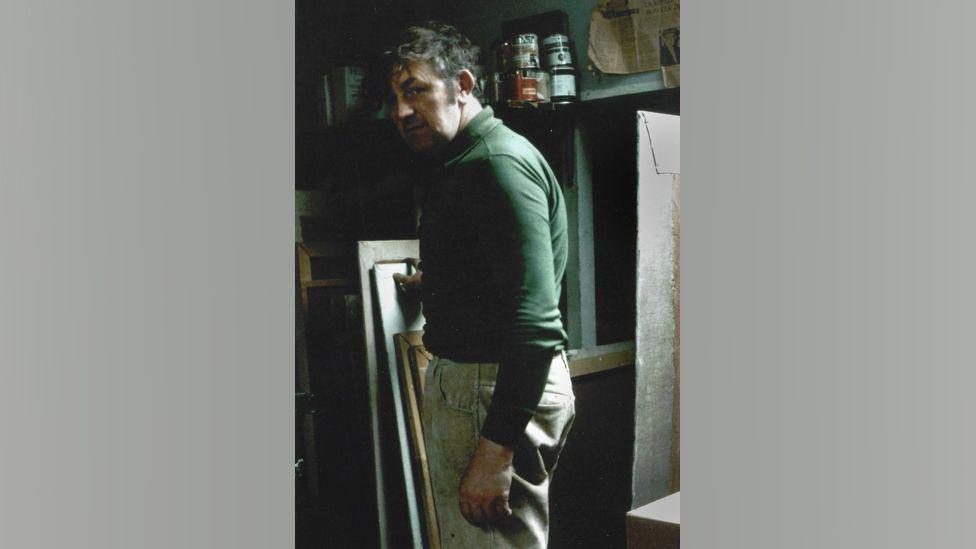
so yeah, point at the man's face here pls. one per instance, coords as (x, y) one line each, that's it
(424, 110)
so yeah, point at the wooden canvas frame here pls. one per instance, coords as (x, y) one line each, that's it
(413, 359)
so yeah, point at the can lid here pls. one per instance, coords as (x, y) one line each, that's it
(555, 39)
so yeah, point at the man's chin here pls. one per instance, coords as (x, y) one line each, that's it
(422, 146)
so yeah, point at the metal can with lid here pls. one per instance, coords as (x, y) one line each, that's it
(562, 84)
(527, 38)
(523, 52)
(541, 84)
(556, 51)
(522, 87)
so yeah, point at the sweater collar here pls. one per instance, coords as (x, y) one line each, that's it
(474, 131)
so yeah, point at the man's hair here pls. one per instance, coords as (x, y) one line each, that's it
(440, 45)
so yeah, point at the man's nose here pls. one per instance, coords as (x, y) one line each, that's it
(401, 111)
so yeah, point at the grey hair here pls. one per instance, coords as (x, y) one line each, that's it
(441, 45)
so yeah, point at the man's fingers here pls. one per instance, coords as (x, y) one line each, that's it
(404, 282)
(502, 510)
(485, 485)
(472, 513)
(466, 512)
(482, 514)
(469, 513)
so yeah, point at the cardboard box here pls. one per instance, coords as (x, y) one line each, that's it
(656, 525)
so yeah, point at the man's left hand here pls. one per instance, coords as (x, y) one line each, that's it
(486, 484)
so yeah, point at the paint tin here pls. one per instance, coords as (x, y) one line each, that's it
(556, 51)
(522, 87)
(541, 83)
(524, 61)
(528, 39)
(562, 84)
(523, 52)
(521, 56)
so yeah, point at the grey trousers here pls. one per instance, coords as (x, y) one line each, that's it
(456, 398)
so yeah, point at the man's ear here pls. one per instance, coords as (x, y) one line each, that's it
(466, 82)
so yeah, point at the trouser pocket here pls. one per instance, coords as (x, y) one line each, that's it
(539, 447)
(457, 385)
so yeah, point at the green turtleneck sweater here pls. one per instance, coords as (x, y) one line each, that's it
(493, 246)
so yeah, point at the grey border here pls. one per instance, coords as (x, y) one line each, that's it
(147, 279)
(146, 209)
(827, 274)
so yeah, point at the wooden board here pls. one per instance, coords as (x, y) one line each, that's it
(413, 359)
(370, 252)
(600, 358)
(656, 525)
(657, 306)
(398, 312)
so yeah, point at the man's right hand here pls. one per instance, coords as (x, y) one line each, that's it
(411, 283)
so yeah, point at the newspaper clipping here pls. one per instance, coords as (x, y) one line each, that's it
(628, 36)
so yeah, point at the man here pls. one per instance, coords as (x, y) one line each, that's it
(498, 400)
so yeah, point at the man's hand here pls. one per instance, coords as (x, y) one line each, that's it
(412, 282)
(486, 483)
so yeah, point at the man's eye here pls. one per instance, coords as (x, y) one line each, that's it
(412, 92)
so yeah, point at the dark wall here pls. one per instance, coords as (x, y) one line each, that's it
(609, 133)
(363, 173)
(358, 165)
(590, 491)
